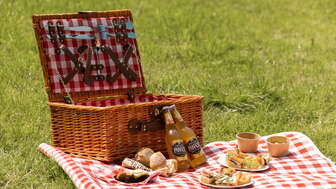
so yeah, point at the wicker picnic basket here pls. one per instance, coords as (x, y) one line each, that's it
(97, 95)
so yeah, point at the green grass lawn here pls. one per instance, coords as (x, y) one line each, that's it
(263, 66)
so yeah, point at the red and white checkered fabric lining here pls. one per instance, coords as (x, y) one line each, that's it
(123, 101)
(60, 64)
(305, 167)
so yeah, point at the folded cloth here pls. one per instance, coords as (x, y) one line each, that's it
(304, 167)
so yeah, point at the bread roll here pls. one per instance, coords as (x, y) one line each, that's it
(157, 161)
(169, 169)
(143, 156)
(132, 164)
(163, 172)
(243, 178)
(172, 166)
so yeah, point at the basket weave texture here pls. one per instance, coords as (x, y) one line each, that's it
(86, 129)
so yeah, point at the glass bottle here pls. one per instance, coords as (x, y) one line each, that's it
(174, 142)
(193, 146)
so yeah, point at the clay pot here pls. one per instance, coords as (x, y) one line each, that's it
(248, 142)
(278, 146)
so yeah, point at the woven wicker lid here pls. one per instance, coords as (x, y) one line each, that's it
(106, 38)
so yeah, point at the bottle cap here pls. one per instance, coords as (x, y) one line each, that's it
(172, 107)
(166, 109)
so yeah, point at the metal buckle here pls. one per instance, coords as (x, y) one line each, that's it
(124, 31)
(53, 36)
(67, 100)
(97, 67)
(60, 31)
(136, 126)
(130, 94)
(116, 29)
(52, 32)
(100, 66)
(99, 77)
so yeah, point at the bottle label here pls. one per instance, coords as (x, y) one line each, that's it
(193, 146)
(179, 149)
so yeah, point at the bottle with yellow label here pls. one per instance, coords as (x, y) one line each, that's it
(174, 142)
(193, 146)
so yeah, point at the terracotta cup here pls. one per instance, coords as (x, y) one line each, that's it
(278, 146)
(248, 142)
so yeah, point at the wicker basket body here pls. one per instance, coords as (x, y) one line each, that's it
(102, 133)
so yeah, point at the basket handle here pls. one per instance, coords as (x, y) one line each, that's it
(87, 12)
(136, 126)
(155, 124)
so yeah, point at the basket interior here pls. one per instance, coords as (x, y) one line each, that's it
(67, 68)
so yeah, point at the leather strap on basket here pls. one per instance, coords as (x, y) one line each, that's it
(87, 77)
(136, 126)
(116, 29)
(53, 36)
(114, 77)
(74, 59)
(122, 66)
(124, 31)
(124, 69)
(155, 124)
(79, 65)
(52, 32)
(60, 31)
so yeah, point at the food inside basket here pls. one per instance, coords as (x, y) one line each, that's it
(226, 177)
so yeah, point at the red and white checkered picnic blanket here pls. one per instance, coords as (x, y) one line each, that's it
(304, 167)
